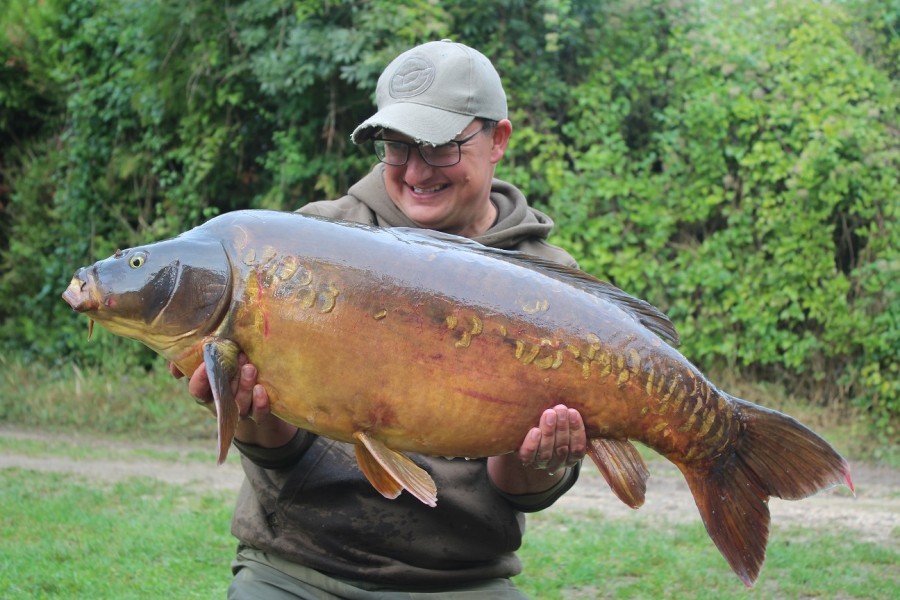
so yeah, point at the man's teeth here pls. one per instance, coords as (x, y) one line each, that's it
(430, 190)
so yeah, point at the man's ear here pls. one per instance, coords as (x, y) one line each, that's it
(499, 139)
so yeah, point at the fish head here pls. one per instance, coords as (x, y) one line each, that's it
(161, 294)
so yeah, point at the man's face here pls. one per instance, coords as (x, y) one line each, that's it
(454, 199)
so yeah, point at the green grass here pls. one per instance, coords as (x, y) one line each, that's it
(61, 537)
(569, 557)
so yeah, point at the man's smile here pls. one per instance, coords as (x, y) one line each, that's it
(428, 190)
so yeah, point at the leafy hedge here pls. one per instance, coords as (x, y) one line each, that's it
(734, 163)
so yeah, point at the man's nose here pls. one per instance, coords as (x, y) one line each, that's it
(416, 167)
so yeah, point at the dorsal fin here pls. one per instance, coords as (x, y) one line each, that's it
(648, 315)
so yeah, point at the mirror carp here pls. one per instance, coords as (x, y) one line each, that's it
(401, 340)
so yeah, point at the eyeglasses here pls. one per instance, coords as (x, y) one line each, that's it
(395, 153)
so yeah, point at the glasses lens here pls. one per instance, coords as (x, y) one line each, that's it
(392, 153)
(444, 155)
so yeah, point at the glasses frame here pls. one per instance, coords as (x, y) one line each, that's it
(379, 147)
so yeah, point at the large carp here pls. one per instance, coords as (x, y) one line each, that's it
(406, 340)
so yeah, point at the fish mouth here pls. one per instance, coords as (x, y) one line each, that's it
(78, 295)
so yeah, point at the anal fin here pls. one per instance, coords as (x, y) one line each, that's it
(390, 472)
(622, 467)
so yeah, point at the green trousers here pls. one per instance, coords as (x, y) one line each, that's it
(260, 576)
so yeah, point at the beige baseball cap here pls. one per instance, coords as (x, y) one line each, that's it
(431, 92)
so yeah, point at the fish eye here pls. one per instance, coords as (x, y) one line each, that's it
(137, 261)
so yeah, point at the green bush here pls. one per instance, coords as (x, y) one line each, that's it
(740, 172)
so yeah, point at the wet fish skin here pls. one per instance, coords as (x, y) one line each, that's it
(364, 334)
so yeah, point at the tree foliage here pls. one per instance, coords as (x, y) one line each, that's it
(733, 163)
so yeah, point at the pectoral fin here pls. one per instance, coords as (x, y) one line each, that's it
(221, 359)
(390, 472)
(622, 467)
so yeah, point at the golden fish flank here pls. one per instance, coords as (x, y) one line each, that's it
(621, 367)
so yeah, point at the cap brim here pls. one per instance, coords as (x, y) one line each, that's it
(424, 124)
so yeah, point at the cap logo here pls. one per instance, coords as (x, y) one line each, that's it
(412, 77)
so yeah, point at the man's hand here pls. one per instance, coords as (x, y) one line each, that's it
(558, 442)
(257, 425)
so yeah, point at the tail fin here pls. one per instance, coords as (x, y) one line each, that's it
(776, 456)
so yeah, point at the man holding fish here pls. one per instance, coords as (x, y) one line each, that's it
(310, 524)
(379, 337)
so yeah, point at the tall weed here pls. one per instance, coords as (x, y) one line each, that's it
(114, 399)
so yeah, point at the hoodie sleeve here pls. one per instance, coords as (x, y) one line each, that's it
(283, 457)
(540, 501)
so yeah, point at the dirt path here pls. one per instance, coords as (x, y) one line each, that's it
(874, 514)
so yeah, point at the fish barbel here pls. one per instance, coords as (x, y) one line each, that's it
(400, 340)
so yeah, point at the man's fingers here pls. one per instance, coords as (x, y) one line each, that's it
(198, 386)
(260, 403)
(558, 441)
(577, 438)
(546, 444)
(529, 448)
(243, 389)
(562, 433)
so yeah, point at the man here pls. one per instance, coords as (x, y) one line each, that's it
(309, 523)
